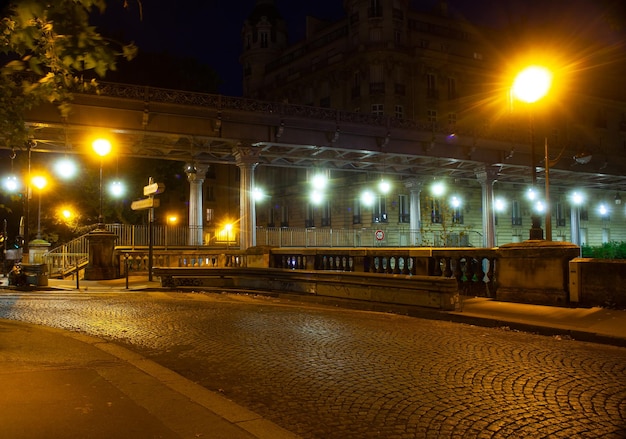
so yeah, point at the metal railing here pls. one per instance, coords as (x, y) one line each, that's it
(67, 257)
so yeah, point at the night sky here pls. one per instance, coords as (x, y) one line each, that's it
(210, 30)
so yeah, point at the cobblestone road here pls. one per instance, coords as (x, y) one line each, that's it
(325, 372)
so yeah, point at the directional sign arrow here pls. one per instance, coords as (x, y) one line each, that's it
(145, 203)
(153, 189)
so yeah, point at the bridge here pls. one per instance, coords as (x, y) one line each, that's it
(201, 129)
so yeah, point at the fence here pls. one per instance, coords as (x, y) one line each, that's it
(75, 253)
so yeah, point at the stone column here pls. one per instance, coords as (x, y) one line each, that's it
(101, 265)
(195, 176)
(247, 159)
(414, 186)
(487, 176)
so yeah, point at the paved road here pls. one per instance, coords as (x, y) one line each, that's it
(326, 372)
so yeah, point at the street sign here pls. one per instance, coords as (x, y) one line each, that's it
(145, 203)
(153, 189)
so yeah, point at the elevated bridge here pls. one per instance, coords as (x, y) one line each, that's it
(204, 128)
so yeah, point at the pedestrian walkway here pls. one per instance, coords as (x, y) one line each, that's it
(61, 384)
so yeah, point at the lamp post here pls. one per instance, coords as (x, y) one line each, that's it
(102, 147)
(530, 85)
(39, 182)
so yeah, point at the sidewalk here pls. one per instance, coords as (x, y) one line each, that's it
(60, 384)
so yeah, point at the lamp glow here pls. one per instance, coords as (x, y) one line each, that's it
(367, 198)
(65, 168)
(532, 83)
(438, 189)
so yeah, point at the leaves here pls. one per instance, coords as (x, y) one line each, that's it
(50, 48)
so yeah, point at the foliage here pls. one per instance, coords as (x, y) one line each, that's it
(49, 49)
(608, 250)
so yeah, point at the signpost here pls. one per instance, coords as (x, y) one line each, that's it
(149, 203)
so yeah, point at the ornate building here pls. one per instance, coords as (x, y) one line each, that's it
(452, 79)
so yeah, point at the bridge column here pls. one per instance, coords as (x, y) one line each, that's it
(247, 158)
(195, 176)
(415, 211)
(487, 176)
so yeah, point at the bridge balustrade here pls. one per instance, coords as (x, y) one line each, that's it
(473, 269)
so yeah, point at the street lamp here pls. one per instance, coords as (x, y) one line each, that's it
(102, 147)
(530, 85)
(39, 182)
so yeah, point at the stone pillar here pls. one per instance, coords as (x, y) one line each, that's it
(487, 176)
(195, 176)
(535, 271)
(101, 265)
(415, 210)
(247, 158)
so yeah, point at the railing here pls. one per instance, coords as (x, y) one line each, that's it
(328, 237)
(65, 258)
(474, 269)
(137, 260)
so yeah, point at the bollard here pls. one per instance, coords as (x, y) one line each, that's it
(126, 268)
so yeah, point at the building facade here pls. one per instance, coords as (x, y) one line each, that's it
(452, 78)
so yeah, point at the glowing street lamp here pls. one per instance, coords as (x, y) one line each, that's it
(102, 147)
(531, 85)
(65, 168)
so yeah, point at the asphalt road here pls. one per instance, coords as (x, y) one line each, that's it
(327, 372)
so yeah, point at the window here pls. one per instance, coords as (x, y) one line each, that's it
(379, 210)
(210, 193)
(452, 120)
(404, 215)
(356, 213)
(376, 34)
(310, 218)
(584, 214)
(432, 116)
(284, 216)
(375, 9)
(264, 40)
(478, 56)
(270, 217)
(452, 88)
(326, 214)
(560, 217)
(209, 216)
(431, 86)
(377, 73)
(516, 214)
(435, 212)
(399, 112)
(377, 109)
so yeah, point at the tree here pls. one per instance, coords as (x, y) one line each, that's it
(49, 49)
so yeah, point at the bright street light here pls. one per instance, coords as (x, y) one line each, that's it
(11, 183)
(102, 147)
(117, 189)
(532, 84)
(367, 198)
(438, 189)
(384, 186)
(65, 168)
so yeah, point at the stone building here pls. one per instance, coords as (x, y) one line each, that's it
(452, 79)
